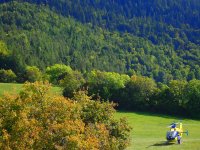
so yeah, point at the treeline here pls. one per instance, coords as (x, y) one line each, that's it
(34, 35)
(133, 93)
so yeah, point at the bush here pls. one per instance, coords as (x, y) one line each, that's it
(137, 93)
(106, 84)
(32, 74)
(35, 119)
(72, 82)
(7, 76)
(56, 72)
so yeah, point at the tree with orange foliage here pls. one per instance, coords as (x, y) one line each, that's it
(36, 119)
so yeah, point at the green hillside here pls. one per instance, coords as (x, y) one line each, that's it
(149, 131)
(38, 35)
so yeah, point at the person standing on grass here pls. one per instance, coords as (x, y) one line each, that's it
(179, 138)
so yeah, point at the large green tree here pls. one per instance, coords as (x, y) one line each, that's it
(72, 82)
(57, 72)
(32, 74)
(193, 97)
(105, 84)
(138, 93)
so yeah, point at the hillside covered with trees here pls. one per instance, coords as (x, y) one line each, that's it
(158, 39)
(135, 55)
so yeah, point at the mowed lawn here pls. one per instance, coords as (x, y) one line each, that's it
(15, 88)
(149, 132)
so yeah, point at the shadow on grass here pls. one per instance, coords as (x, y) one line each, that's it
(167, 116)
(154, 114)
(163, 143)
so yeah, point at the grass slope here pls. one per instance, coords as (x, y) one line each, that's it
(149, 132)
(9, 87)
(15, 88)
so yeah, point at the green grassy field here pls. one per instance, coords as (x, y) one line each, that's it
(15, 88)
(9, 87)
(149, 132)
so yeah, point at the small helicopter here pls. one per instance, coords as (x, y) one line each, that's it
(175, 133)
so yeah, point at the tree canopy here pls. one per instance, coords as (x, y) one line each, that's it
(43, 33)
(35, 119)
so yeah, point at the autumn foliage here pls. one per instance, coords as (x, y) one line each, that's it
(36, 119)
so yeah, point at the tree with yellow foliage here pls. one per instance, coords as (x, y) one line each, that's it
(36, 119)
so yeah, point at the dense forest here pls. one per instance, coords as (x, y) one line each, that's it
(132, 37)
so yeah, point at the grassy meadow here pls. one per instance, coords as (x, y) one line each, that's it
(15, 88)
(148, 131)
(9, 87)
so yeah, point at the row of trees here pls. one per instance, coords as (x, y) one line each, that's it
(136, 92)
(37, 119)
(179, 97)
(144, 94)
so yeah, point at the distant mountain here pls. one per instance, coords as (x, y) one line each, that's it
(158, 38)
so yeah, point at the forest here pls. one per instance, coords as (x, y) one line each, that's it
(45, 40)
(42, 33)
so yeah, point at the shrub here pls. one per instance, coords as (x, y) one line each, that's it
(71, 83)
(35, 119)
(32, 74)
(138, 92)
(106, 84)
(7, 76)
(56, 72)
